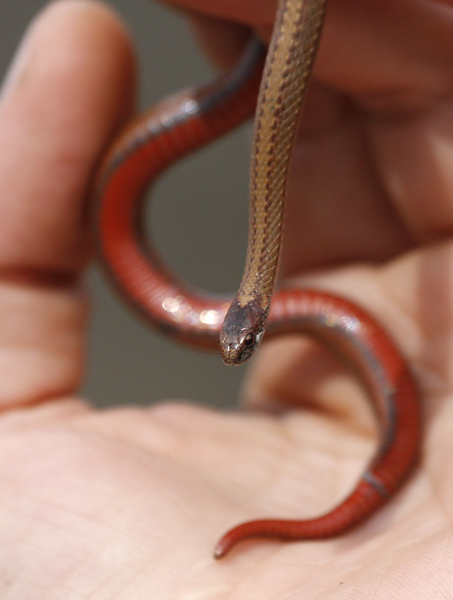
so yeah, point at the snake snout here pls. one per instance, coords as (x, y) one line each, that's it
(237, 353)
(231, 354)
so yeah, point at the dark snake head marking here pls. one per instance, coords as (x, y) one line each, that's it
(242, 331)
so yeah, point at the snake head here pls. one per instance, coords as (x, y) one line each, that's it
(242, 331)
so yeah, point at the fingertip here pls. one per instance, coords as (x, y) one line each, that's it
(69, 89)
(81, 51)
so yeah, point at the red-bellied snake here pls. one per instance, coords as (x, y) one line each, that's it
(180, 125)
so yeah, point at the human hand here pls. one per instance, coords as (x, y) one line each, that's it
(128, 503)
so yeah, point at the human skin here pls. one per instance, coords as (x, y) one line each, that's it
(127, 503)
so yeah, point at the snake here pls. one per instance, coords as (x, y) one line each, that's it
(272, 87)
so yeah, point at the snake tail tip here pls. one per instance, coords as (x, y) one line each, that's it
(223, 546)
(218, 553)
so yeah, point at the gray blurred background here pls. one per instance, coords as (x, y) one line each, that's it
(199, 223)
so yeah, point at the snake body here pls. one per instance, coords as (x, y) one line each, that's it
(180, 125)
(286, 72)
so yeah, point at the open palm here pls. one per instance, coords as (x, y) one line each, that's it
(128, 503)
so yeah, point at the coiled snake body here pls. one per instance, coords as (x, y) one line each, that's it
(188, 121)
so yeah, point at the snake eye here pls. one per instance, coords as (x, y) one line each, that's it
(249, 340)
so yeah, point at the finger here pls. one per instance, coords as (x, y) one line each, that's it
(363, 178)
(70, 88)
(67, 91)
(376, 181)
(223, 41)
